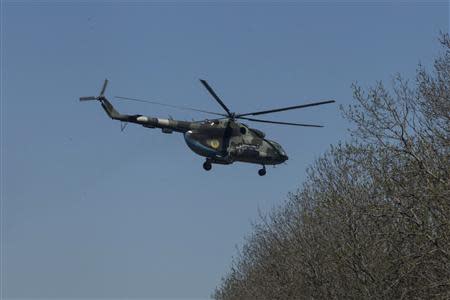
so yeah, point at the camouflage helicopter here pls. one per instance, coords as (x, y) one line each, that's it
(222, 140)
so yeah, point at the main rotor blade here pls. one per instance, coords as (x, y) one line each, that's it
(211, 91)
(285, 108)
(281, 123)
(170, 105)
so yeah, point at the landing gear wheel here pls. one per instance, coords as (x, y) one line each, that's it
(207, 165)
(262, 171)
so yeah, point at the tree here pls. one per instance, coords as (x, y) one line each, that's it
(372, 218)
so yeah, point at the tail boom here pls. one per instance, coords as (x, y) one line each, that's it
(167, 125)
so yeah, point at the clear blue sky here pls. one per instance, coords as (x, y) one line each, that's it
(89, 211)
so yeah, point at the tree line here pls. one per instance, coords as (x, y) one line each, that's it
(371, 221)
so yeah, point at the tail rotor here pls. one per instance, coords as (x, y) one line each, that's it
(99, 97)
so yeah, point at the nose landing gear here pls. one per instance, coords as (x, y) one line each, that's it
(262, 172)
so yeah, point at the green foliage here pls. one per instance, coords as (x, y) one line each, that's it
(372, 219)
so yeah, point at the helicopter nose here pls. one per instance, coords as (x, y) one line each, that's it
(284, 157)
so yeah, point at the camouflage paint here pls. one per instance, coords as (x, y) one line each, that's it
(222, 141)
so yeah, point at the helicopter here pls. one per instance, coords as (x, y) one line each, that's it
(222, 140)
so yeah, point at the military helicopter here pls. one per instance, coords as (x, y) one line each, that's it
(222, 140)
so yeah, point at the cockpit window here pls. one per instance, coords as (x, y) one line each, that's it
(210, 122)
(278, 147)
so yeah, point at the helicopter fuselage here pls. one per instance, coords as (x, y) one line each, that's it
(225, 141)
(221, 141)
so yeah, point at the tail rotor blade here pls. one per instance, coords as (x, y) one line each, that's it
(104, 88)
(90, 98)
